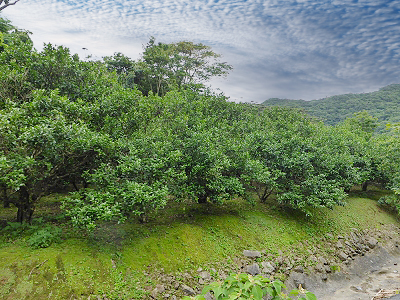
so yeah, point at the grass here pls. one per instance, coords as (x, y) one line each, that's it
(124, 261)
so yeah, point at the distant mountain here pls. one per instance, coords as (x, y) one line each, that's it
(383, 104)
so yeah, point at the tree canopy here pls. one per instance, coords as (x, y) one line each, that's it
(130, 137)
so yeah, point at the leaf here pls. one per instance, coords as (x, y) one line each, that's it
(310, 296)
(277, 286)
(257, 292)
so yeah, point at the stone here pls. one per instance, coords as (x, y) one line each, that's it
(313, 258)
(298, 279)
(322, 260)
(188, 290)
(205, 275)
(298, 269)
(268, 267)
(342, 256)
(339, 245)
(320, 268)
(327, 269)
(280, 260)
(208, 296)
(253, 269)
(371, 242)
(158, 290)
(340, 237)
(251, 253)
(347, 244)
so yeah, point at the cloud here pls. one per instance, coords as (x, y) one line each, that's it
(291, 49)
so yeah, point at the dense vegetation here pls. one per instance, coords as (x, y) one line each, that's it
(131, 136)
(139, 140)
(383, 104)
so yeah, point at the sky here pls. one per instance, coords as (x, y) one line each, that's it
(294, 49)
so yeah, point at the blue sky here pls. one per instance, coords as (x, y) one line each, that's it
(297, 49)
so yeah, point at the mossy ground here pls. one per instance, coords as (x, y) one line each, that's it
(115, 260)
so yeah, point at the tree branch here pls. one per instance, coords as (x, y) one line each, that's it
(7, 4)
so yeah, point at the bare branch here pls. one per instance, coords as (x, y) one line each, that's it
(6, 4)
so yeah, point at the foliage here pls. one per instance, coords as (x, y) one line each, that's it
(43, 238)
(177, 64)
(43, 146)
(244, 286)
(39, 235)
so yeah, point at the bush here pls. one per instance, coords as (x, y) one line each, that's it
(244, 286)
(45, 237)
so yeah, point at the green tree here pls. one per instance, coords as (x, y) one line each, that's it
(44, 145)
(182, 63)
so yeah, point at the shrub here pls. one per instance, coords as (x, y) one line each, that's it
(244, 286)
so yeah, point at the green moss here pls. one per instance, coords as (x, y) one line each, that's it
(112, 260)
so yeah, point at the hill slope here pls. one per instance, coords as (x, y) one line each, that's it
(383, 104)
(128, 261)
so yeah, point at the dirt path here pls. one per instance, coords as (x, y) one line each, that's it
(371, 277)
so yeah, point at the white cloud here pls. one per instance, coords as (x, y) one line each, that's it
(315, 47)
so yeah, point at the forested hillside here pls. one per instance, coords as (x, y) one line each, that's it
(383, 104)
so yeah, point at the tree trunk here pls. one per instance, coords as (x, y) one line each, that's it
(202, 199)
(6, 200)
(265, 195)
(24, 205)
(364, 186)
(75, 186)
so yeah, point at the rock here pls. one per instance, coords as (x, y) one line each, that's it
(322, 260)
(280, 260)
(342, 256)
(297, 279)
(324, 277)
(268, 267)
(320, 268)
(313, 258)
(253, 269)
(208, 296)
(251, 254)
(158, 290)
(371, 242)
(166, 296)
(339, 245)
(340, 237)
(188, 290)
(186, 275)
(327, 269)
(176, 285)
(347, 244)
(298, 269)
(205, 275)
(356, 289)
